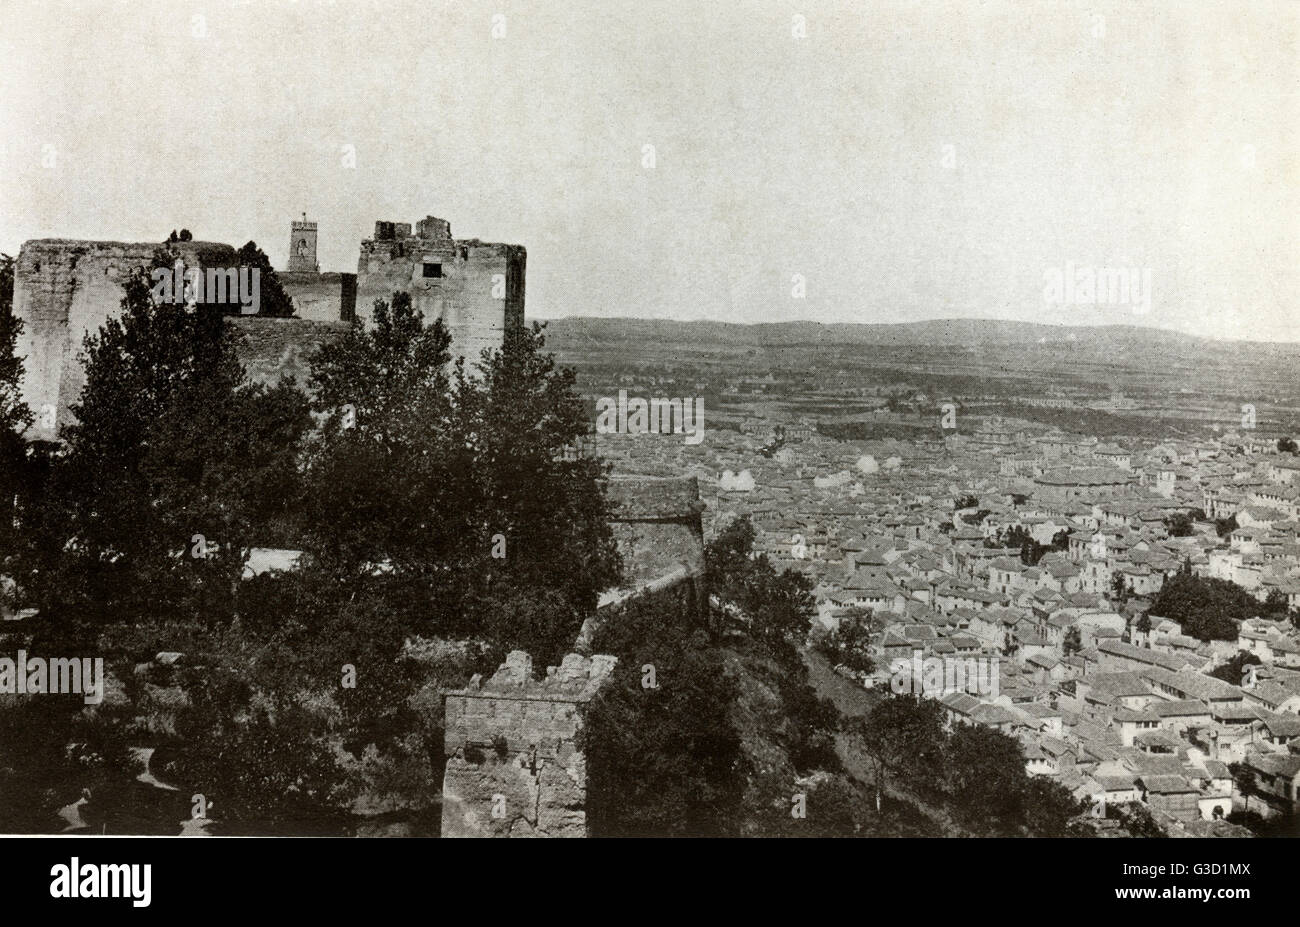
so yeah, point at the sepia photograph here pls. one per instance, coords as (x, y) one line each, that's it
(680, 419)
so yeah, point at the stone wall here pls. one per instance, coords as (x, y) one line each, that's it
(656, 523)
(319, 297)
(65, 289)
(513, 765)
(271, 349)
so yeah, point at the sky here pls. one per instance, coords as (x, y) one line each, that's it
(736, 160)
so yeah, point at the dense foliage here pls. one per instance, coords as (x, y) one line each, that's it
(976, 773)
(1031, 551)
(439, 521)
(15, 417)
(848, 642)
(718, 743)
(1207, 608)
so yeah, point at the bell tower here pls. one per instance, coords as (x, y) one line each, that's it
(302, 247)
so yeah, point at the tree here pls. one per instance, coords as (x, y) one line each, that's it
(399, 510)
(299, 702)
(1225, 526)
(985, 778)
(266, 764)
(1287, 446)
(171, 465)
(1031, 551)
(903, 738)
(518, 416)
(1234, 671)
(1136, 819)
(1207, 608)
(450, 491)
(848, 643)
(776, 607)
(781, 605)
(727, 555)
(712, 744)
(1245, 779)
(1120, 590)
(1276, 605)
(382, 464)
(1050, 810)
(663, 760)
(273, 300)
(1073, 642)
(15, 417)
(52, 752)
(1179, 525)
(835, 808)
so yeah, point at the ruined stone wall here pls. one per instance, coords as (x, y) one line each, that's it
(657, 525)
(271, 349)
(318, 297)
(64, 289)
(463, 296)
(513, 765)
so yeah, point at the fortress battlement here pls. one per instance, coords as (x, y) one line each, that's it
(67, 288)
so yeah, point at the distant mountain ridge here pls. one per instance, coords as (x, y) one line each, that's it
(933, 333)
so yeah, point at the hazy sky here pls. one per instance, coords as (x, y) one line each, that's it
(909, 160)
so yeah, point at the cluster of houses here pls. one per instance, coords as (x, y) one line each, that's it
(1042, 550)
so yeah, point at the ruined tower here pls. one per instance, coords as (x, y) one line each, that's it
(302, 247)
(513, 764)
(475, 287)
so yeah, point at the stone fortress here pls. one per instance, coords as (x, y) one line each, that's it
(514, 765)
(65, 289)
